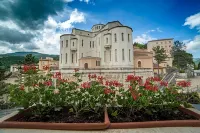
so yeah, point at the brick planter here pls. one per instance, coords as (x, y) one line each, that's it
(167, 123)
(11, 123)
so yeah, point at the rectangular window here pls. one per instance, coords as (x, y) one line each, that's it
(76, 57)
(90, 44)
(115, 37)
(115, 55)
(66, 58)
(72, 58)
(122, 36)
(82, 43)
(73, 44)
(128, 37)
(106, 40)
(129, 54)
(66, 43)
(123, 54)
(97, 63)
(62, 44)
(110, 55)
(93, 44)
(61, 58)
(104, 56)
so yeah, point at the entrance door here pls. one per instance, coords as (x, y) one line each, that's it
(86, 65)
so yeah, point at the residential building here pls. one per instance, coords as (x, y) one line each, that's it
(14, 68)
(49, 63)
(105, 46)
(167, 44)
(142, 58)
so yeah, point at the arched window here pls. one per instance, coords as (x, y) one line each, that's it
(122, 36)
(115, 35)
(139, 64)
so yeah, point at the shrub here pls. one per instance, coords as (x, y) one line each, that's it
(43, 94)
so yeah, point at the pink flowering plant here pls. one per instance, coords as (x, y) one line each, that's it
(48, 92)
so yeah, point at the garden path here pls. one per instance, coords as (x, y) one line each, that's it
(139, 130)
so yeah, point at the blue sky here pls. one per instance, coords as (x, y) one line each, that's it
(38, 26)
(145, 16)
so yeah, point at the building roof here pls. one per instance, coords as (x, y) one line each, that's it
(96, 24)
(161, 39)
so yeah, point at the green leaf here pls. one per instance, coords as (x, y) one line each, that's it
(115, 113)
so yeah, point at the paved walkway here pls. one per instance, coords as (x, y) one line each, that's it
(139, 130)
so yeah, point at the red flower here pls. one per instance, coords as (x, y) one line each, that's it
(92, 76)
(48, 83)
(22, 87)
(45, 67)
(89, 76)
(184, 84)
(85, 85)
(100, 79)
(117, 84)
(153, 79)
(134, 95)
(76, 70)
(108, 91)
(132, 78)
(164, 83)
(29, 67)
(35, 85)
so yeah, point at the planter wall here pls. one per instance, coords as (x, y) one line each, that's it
(168, 123)
(10, 123)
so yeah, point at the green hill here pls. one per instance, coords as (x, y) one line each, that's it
(17, 57)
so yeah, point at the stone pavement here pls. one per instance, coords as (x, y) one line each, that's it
(138, 130)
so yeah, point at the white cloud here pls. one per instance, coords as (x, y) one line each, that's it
(144, 38)
(46, 39)
(158, 30)
(87, 1)
(68, 0)
(193, 21)
(194, 44)
(75, 17)
(154, 30)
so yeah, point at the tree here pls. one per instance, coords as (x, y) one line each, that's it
(29, 59)
(198, 67)
(139, 45)
(159, 55)
(181, 58)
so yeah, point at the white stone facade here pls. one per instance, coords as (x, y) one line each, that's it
(112, 43)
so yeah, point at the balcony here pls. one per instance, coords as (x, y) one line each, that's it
(107, 46)
(73, 48)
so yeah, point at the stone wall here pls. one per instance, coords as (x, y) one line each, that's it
(109, 74)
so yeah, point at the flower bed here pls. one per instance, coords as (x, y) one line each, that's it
(66, 104)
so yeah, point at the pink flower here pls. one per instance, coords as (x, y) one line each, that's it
(184, 84)
(85, 85)
(48, 83)
(22, 87)
(164, 83)
(56, 91)
(108, 91)
(132, 78)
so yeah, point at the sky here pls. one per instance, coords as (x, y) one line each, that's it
(36, 25)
